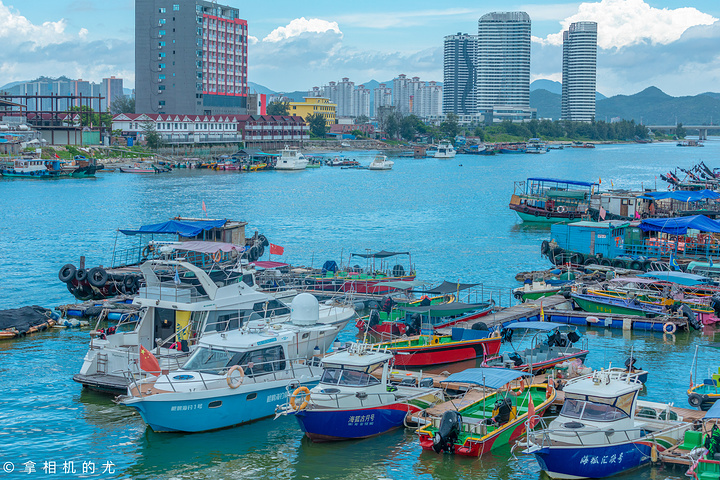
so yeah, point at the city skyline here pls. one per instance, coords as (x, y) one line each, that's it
(664, 43)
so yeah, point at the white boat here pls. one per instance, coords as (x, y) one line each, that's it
(603, 429)
(381, 162)
(445, 150)
(139, 168)
(535, 145)
(291, 159)
(349, 402)
(231, 378)
(182, 303)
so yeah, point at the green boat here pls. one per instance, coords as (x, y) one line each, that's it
(615, 305)
(535, 291)
(550, 200)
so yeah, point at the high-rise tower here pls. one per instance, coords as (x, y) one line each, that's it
(579, 72)
(459, 74)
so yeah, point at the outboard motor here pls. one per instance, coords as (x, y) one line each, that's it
(448, 433)
(687, 312)
(480, 326)
(414, 327)
(374, 318)
(506, 335)
(517, 360)
(630, 364)
(573, 337)
(387, 304)
(553, 339)
(715, 304)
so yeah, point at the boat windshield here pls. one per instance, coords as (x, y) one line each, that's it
(591, 411)
(349, 378)
(255, 362)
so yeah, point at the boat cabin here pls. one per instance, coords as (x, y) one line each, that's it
(553, 194)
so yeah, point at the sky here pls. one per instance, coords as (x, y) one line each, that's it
(295, 45)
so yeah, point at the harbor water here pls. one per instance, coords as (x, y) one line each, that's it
(452, 215)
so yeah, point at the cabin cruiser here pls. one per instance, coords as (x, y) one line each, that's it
(232, 377)
(445, 150)
(181, 303)
(381, 162)
(291, 159)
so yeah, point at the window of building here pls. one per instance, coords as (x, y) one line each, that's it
(162, 102)
(176, 126)
(161, 87)
(176, 8)
(161, 10)
(161, 44)
(161, 32)
(162, 65)
(161, 76)
(162, 54)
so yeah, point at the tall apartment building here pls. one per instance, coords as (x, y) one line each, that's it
(428, 100)
(382, 98)
(190, 58)
(459, 72)
(64, 86)
(579, 72)
(361, 101)
(401, 94)
(345, 98)
(112, 89)
(503, 61)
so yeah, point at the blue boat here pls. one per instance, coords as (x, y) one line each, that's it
(232, 377)
(603, 430)
(351, 403)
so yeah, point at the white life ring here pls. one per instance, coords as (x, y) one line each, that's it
(669, 327)
(235, 383)
(561, 209)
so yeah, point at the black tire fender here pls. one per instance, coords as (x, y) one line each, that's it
(97, 277)
(67, 273)
(81, 274)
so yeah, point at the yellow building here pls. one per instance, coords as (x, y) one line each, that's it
(312, 105)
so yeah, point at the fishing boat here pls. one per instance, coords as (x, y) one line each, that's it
(25, 168)
(350, 403)
(549, 344)
(139, 168)
(536, 289)
(551, 200)
(381, 162)
(690, 143)
(389, 316)
(445, 150)
(493, 421)
(216, 387)
(603, 429)
(706, 392)
(427, 350)
(536, 146)
(182, 303)
(583, 145)
(291, 159)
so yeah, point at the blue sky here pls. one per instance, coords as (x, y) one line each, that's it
(297, 45)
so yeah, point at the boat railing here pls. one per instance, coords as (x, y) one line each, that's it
(173, 292)
(544, 437)
(207, 379)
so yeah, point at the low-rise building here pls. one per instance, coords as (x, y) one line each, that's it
(366, 128)
(313, 105)
(273, 131)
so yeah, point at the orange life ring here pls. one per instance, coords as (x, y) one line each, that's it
(217, 256)
(665, 249)
(520, 391)
(235, 383)
(297, 393)
(549, 389)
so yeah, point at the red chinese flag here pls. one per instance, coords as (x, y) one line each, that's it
(148, 362)
(531, 422)
(276, 250)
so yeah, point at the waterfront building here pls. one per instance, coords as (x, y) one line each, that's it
(361, 102)
(414, 86)
(401, 94)
(112, 89)
(344, 102)
(579, 72)
(190, 58)
(428, 100)
(366, 128)
(382, 98)
(459, 73)
(503, 61)
(313, 105)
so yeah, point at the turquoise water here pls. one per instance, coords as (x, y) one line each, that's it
(451, 214)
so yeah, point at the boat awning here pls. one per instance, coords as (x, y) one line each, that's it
(681, 278)
(684, 195)
(487, 377)
(557, 180)
(184, 228)
(208, 247)
(267, 264)
(680, 225)
(401, 284)
(713, 412)
(448, 287)
(445, 309)
(535, 325)
(633, 280)
(380, 254)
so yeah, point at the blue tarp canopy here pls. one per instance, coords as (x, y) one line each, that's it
(714, 412)
(535, 325)
(184, 228)
(681, 278)
(487, 377)
(557, 180)
(684, 195)
(680, 225)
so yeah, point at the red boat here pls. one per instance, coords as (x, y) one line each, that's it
(429, 318)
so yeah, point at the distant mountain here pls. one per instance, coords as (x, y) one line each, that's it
(712, 94)
(257, 88)
(555, 87)
(548, 104)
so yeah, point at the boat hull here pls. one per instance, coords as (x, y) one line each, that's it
(326, 425)
(593, 306)
(398, 328)
(446, 353)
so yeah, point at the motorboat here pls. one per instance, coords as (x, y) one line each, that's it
(603, 429)
(139, 168)
(549, 344)
(350, 402)
(291, 159)
(25, 167)
(445, 150)
(182, 303)
(232, 377)
(535, 145)
(494, 420)
(381, 162)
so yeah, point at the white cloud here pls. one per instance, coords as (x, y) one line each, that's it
(15, 28)
(300, 26)
(252, 40)
(83, 33)
(623, 23)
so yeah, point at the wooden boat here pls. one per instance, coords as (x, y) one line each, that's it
(543, 353)
(491, 422)
(535, 290)
(385, 319)
(706, 392)
(358, 280)
(426, 350)
(139, 168)
(551, 200)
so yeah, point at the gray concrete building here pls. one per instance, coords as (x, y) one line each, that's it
(190, 58)
(579, 72)
(459, 73)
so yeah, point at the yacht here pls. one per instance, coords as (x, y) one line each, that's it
(445, 150)
(381, 162)
(180, 304)
(291, 159)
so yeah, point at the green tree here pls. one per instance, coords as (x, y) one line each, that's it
(392, 125)
(450, 127)
(278, 107)
(152, 137)
(123, 104)
(317, 124)
(480, 133)
(89, 118)
(680, 131)
(362, 119)
(357, 133)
